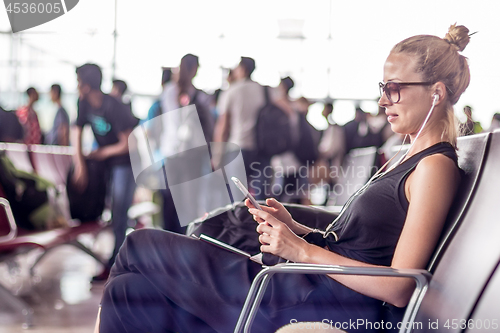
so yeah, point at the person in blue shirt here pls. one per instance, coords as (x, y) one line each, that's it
(59, 134)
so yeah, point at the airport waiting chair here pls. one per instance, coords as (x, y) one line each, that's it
(357, 167)
(54, 164)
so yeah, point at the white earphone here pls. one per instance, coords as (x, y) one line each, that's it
(436, 97)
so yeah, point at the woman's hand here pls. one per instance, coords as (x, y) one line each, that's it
(276, 209)
(277, 238)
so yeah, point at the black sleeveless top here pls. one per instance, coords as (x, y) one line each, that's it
(377, 215)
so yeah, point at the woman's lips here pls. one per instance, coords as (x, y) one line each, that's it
(391, 117)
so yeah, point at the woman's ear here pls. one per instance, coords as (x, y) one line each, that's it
(439, 90)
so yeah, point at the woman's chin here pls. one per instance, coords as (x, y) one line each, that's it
(396, 129)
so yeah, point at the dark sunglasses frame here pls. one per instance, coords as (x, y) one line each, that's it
(396, 87)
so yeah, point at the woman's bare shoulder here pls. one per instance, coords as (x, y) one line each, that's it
(436, 170)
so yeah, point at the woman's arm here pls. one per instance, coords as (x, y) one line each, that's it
(431, 189)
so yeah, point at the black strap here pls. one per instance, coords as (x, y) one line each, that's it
(193, 100)
(266, 94)
(160, 109)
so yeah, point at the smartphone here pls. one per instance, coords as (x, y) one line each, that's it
(247, 194)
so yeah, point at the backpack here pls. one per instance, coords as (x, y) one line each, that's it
(80, 206)
(272, 129)
(306, 148)
(33, 199)
(10, 128)
(206, 118)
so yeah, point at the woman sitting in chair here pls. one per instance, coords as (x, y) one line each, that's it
(165, 282)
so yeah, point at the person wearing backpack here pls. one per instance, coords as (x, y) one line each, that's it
(179, 133)
(111, 124)
(289, 184)
(239, 108)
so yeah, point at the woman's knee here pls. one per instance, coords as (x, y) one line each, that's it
(141, 249)
(130, 300)
(147, 234)
(141, 238)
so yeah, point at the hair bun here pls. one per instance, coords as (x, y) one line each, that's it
(458, 36)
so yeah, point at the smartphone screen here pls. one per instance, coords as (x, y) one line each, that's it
(244, 190)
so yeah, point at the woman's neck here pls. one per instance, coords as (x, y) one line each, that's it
(424, 141)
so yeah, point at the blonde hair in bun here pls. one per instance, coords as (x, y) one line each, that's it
(438, 61)
(458, 36)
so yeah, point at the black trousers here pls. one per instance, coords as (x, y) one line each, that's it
(166, 282)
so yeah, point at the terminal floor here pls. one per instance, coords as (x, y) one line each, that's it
(60, 292)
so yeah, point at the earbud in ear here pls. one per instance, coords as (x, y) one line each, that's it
(435, 97)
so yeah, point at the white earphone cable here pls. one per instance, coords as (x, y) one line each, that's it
(379, 173)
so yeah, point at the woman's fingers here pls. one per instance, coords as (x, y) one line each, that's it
(266, 248)
(265, 239)
(257, 219)
(249, 204)
(264, 228)
(273, 203)
(269, 218)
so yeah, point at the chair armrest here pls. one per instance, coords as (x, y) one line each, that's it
(12, 223)
(261, 280)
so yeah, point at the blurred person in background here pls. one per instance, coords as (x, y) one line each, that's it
(154, 129)
(331, 149)
(495, 122)
(118, 91)
(213, 104)
(111, 124)
(238, 109)
(287, 181)
(305, 140)
(470, 126)
(302, 106)
(179, 93)
(10, 128)
(230, 78)
(29, 119)
(155, 109)
(379, 126)
(59, 134)
(358, 133)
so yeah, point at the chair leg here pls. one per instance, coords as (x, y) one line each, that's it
(37, 261)
(85, 249)
(76, 244)
(17, 304)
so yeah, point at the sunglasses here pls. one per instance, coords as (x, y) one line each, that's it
(393, 89)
